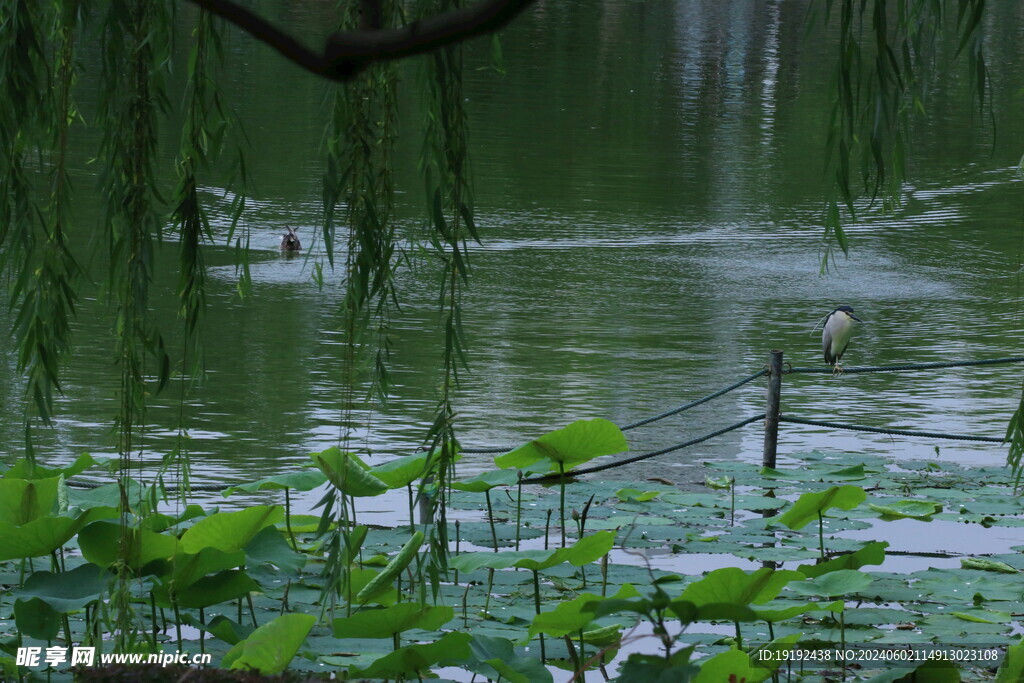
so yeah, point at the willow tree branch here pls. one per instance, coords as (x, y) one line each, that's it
(349, 52)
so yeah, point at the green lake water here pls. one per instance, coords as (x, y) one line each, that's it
(649, 190)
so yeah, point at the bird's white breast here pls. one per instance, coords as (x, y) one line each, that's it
(840, 326)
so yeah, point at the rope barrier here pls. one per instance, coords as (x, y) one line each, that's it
(655, 418)
(555, 476)
(897, 432)
(737, 425)
(907, 366)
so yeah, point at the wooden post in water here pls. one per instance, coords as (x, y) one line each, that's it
(771, 412)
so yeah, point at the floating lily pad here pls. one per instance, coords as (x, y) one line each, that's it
(636, 495)
(835, 583)
(987, 565)
(922, 510)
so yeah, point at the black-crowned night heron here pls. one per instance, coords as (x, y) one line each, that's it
(289, 240)
(836, 334)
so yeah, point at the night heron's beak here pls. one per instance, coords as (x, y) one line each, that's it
(856, 318)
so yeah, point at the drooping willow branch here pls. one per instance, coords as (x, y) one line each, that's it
(349, 52)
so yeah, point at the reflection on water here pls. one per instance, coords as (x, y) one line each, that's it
(648, 189)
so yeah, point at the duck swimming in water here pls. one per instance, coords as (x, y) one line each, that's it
(289, 240)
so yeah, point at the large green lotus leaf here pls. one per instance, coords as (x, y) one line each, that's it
(303, 480)
(229, 584)
(586, 550)
(103, 545)
(907, 509)
(839, 582)
(229, 631)
(268, 547)
(359, 578)
(44, 535)
(1012, 668)
(25, 500)
(36, 619)
(387, 621)
(577, 443)
(403, 471)
(496, 658)
(808, 506)
(348, 473)
(872, 553)
(270, 648)
(485, 481)
(107, 495)
(413, 660)
(391, 571)
(26, 469)
(572, 616)
(734, 586)
(67, 591)
(230, 531)
(187, 568)
(687, 612)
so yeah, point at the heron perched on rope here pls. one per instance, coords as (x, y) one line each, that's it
(836, 333)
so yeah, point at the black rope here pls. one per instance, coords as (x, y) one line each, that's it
(909, 366)
(897, 432)
(655, 418)
(699, 401)
(555, 476)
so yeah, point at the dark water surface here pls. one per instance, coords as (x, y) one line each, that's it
(649, 190)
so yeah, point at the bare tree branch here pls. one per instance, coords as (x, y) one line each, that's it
(349, 52)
